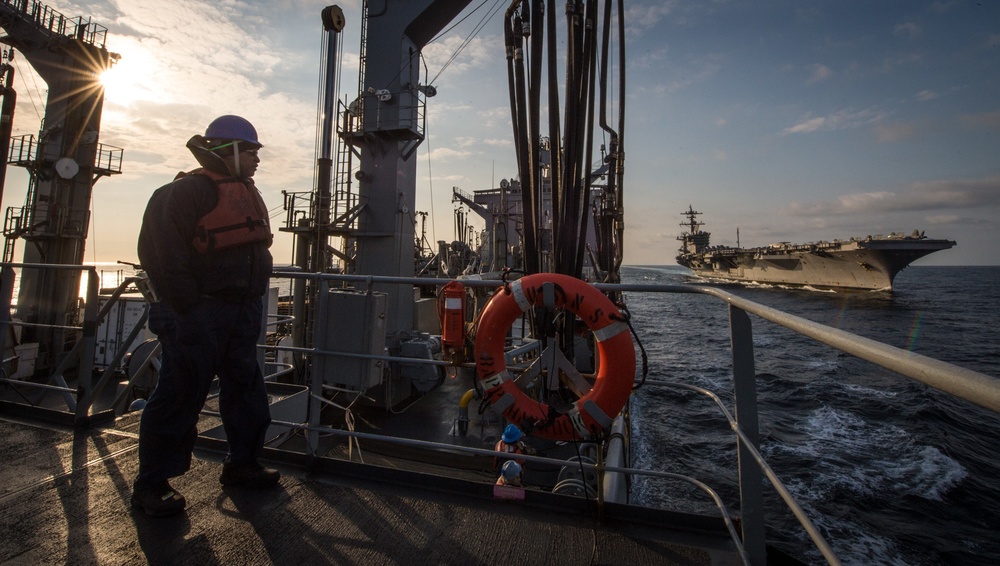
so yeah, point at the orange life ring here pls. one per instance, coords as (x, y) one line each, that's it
(594, 411)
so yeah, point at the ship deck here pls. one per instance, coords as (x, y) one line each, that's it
(64, 495)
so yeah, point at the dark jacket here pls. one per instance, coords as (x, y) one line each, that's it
(179, 274)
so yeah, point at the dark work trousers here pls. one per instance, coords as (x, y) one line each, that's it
(215, 338)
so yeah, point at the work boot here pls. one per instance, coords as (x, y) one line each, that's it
(157, 499)
(250, 474)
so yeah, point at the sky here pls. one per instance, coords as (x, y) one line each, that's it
(787, 120)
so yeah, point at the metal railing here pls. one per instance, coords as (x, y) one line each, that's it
(966, 384)
(80, 358)
(55, 23)
(27, 152)
(77, 364)
(972, 386)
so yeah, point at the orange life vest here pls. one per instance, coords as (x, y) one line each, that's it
(239, 216)
(515, 448)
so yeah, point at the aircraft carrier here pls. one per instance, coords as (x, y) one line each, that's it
(859, 263)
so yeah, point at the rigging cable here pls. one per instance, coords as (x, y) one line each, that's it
(479, 27)
(276, 211)
(32, 89)
(513, 35)
(621, 136)
(556, 142)
(534, 101)
(583, 204)
(459, 22)
(490, 14)
(430, 178)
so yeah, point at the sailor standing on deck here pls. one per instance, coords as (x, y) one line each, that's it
(204, 245)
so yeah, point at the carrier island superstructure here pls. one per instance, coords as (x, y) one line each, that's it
(870, 263)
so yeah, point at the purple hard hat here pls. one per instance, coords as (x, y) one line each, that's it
(231, 127)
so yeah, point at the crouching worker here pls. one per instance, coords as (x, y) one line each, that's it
(204, 245)
(510, 474)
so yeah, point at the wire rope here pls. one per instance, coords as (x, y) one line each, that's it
(490, 14)
(459, 22)
(430, 183)
(32, 89)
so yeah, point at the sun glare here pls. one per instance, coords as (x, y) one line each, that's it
(130, 79)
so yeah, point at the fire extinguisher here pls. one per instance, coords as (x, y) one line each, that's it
(451, 310)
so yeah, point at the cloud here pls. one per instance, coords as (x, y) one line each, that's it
(944, 6)
(983, 120)
(810, 125)
(445, 154)
(865, 201)
(942, 218)
(700, 71)
(927, 196)
(450, 178)
(926, 95)
(840, 120)
(188, 62)
(184, 63)
(480, 53)
(891, 64)
(894, 132)
(641, 17)
(472, 141)
(497, 142)
(953, 194)
(907, 29)
(819, 73)
(650, 58)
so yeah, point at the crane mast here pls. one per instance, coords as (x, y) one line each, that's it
(63, 163)
(365, 191)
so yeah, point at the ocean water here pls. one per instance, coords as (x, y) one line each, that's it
(890, 470)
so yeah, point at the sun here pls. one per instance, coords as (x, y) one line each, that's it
(130, 79)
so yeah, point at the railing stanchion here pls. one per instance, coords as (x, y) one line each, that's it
(318, 370)
(7, 276)
(751, 479)
(88, 341)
